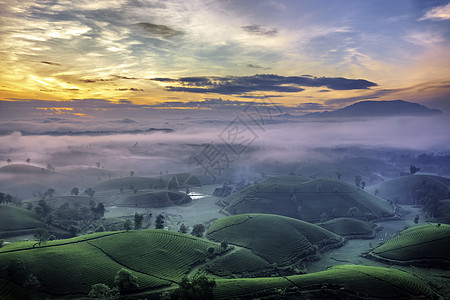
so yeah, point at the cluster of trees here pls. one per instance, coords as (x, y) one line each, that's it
(18, 273)
(5, 198)
(124, 282)
(70, 218)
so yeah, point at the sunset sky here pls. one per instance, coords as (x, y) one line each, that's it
(312, 54)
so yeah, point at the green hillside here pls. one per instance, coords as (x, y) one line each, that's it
(68, 267)
(350, 228)
(413, 189)
(426, 244)
(17, 221)
(309, 201)
(338, 282)
(281, 240)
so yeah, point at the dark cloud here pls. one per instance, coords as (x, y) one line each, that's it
(252, 66)
(324, 91)
(162, 30)
(260, 30)
(125, 121)
(236, 85)
(113, 78)
(130, 89)
(50, 63)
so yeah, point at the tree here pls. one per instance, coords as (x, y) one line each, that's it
(98, 211)
(127, 225)
(50, 167)
(413, 169)
(352, 211)
(28, 160)
(1, 243)
(182, 229)
(75, 191)
(131, 173)
(90, 192)
(159, 223)
(200, 288)
(97, 164)
(48, 193)
(42, 210)
(363, 184)
(41, 235)
(138, 219)
(73, 230)
(17, 271)
(358, 180)
(126, 281)
(198, 230)
(338, 174)
(102, 291)
(100, 228)
(9, 161)
(31, 283)
(224, 244)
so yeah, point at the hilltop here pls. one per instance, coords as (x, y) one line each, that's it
(311, 201)
(378, 109)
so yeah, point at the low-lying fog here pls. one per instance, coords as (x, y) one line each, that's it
(248, 144)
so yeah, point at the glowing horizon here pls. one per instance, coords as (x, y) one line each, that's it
(145, 51)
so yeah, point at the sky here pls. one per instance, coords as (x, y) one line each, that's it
(316, 55)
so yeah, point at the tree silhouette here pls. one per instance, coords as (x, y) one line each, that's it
(198, 230)
(9, 161)
(28, 160)
(126, 281)
(413, 169)
(75, 191)
(138, 219)
(127, 225)
(90, 192)
(159, 223)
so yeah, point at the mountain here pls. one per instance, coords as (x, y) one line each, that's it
(93, 133)
(378, 109)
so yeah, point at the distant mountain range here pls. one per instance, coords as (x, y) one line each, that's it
(95, 132)
(378, 109)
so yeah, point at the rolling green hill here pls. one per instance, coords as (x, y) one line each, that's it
(277, 239)
(308, 201)
(17, 221)
(350, 228)
(338, 282)
(159, 259)
(425, 244)
(69, 267)
(413, 189)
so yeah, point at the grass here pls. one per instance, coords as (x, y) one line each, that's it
(16, 221)
(267, 235)
(425, 244)
(69, 267)
(307, 200)
(337, 282)
(350, 228)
